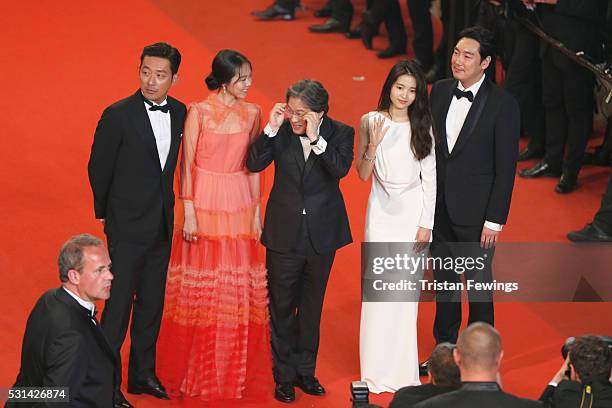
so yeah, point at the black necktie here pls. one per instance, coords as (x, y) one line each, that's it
(164, 108)
(463, 94)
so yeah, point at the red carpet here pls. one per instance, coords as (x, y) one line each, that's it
(64, 61)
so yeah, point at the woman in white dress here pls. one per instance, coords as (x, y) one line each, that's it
(396, 147)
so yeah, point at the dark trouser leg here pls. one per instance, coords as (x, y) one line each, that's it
(284, 281)
(554, 105)
(395, 25)
(603, 218)
(314, 283)
(128, 260)
(422, 41)
(578, 97)
(448, 303)
(287, 4)
(148, 309)
(480, 301)
(342, 10)
(457, 241)
(524, 82)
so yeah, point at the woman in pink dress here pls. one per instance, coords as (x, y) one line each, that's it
(214, 342)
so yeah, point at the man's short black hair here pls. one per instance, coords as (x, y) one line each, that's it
(442, 366)
(591, 358)
(163, 50)
(485, 39)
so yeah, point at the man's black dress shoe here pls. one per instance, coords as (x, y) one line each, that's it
(590, 233)
(528, 154)
(150, 386)
(119, 401)
(274, 12)
(353, 34)
(310, 385)
(542, 169)
(390, 52)
(423, 368)
(330, 26)
(323, 13)
(567, 184)
(284, 392)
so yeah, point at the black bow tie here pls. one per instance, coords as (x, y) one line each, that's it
(164, 108)
(463, 94)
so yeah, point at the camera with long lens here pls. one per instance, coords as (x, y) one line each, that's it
(565, 349)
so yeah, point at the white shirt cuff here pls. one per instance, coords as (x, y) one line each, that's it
(320, 146)
(552, 383)
(493, 226)
(269, 131)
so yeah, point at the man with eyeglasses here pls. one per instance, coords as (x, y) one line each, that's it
(305, 223)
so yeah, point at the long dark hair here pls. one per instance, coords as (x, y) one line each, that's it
(418, 112)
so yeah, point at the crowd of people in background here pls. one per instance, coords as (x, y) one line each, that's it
(555, 93)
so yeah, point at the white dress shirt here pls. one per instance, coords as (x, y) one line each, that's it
(160, 123)
(87, 305)
(317, 148)
(457, 112)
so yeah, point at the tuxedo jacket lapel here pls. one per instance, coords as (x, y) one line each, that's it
(295, 146)
(143, 125)
(175, 134)
(448, 97)
(325, 131)
(80, 311)
(473, 116)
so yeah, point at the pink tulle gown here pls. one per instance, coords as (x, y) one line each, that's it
(214, 341)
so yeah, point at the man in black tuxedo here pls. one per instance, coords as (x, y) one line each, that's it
(63, 345)
(443, 377)
(131, 171)
(477, 124)
(478, 355)
(305, 223)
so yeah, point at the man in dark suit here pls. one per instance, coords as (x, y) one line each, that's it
(477, 124)
(584, 378)
(131, 171)
(478, 355)
(443, 377)
(305, 223)
(567, 89)
(63, 345)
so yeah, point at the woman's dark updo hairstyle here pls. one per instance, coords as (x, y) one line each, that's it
(418, 112)
(226, 64)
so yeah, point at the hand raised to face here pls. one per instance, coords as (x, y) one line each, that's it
(277, 115)
(312, 124)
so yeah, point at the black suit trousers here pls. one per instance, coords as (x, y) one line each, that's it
(457, 241)
(524, 81)
(567, 92)
(138, 290)
(296, 284)
(603, 218)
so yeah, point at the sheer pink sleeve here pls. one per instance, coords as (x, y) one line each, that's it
(191, 133)
(254, 178)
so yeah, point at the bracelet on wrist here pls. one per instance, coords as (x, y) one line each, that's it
(369, 159)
